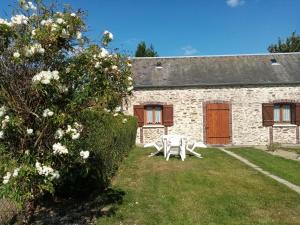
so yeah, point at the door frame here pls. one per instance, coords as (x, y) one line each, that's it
(204, 106)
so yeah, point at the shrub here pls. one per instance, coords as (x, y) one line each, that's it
(273, 147)
(108, 139)
(49, 73)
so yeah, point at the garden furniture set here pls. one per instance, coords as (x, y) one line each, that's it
(175, 145)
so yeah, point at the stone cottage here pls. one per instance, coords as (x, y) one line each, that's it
(227, 100)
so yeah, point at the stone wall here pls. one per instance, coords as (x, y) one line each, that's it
(246, 103)
(284, 134)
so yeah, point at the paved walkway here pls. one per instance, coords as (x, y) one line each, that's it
(280, 180)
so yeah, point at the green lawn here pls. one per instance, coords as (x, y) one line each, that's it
(215, 190)
(284, 168)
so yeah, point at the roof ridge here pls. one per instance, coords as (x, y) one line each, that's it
(216, 56)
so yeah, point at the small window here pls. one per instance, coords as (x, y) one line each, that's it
(282, 113)
(153, 115)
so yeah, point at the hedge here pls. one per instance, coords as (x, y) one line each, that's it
(109, 139)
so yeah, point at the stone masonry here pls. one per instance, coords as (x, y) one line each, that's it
(246, 102)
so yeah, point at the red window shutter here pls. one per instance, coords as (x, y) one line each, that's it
(268, 114)
(293, 113)
(139, 113)
(297, 113)
(168, 115)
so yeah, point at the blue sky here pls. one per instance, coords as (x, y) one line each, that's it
(191, 27)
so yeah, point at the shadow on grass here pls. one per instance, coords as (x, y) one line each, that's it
(78, 211)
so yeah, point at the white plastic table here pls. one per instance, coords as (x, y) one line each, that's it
(171, 142)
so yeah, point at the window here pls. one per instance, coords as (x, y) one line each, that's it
(282, 113)
(153, 115)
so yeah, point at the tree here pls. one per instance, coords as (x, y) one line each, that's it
(291, 44)
(49, 73)
(143, 51)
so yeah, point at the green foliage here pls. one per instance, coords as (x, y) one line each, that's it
(144, 51)
(291, 44)
(273, 147)
(109, 139)
(49, 73)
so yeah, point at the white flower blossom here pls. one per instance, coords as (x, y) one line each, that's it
(118, 109)
(55, 175)
(47, 22)
(63, 88)
(55, 75)
(68, 70)
(74, 131)
(6, 177)
(2, 111)
(5, 121)
(59, 149)
(97, 65)
(60, 21)
(29, 131)
(78, 35)
(33, 32)
(129, 78)
(116, 114)
(114, 67)
(1, 134)
(19, 19)
(84, 154)
(59, 133)
(130, 88)
(103, 53)
(54, 27)
(36, 48)
(70, 129)
(16, 172)
(75, 136)
(108, 34)
(47, 113)
(65, 33)
(73, 14)
(124, 120)
(32, 6)
(16, 55)
(45, 77)
(46, 171)
(78, 126)
(129, 64)
(5, 22)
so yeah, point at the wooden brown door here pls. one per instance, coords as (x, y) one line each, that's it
(217, 123)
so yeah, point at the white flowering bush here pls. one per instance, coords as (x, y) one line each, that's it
(49, 73)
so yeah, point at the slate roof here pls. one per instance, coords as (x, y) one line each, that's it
(216, 70)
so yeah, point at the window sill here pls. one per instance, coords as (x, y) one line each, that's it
(153, 126)
(284, 125)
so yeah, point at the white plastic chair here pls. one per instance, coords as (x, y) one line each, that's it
(158, 144)
(193, 146)
(175, 146)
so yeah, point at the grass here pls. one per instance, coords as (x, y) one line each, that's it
(217, 189)
(284, 168)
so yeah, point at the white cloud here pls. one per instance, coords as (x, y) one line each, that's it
(235, 3)
(189, 50)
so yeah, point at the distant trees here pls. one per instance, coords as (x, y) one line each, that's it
(291, 44)
(143, 51)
